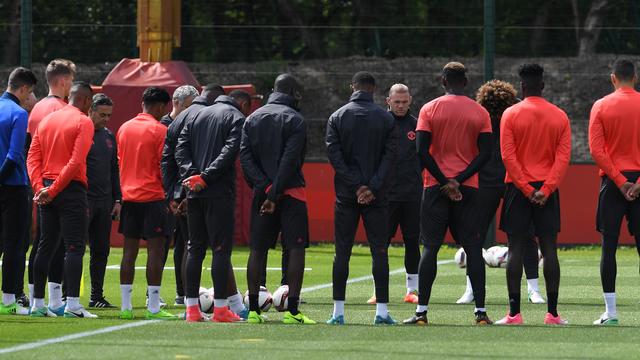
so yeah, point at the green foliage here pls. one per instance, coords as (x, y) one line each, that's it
(249, 31)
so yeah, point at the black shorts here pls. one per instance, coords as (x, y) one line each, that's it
(439, 213)
(612, 207)
(290, 220)
(144, 220)
(519, 216)
(211, 222)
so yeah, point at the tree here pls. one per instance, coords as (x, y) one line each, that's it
(590, 33)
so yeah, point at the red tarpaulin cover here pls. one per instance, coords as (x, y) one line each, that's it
(125, 85)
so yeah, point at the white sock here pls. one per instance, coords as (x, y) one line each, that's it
(30, 286)
(532, 285)
(191, 302)
(412, 282)
(38, 303)
(154, 298)
(422, 308)
(55, 295)
(235, 303)
(610, 304)
(338, 308)
(8, 299)
(469, 289)
(220, 303)
(125, 294)
(73, 303)
(382, 310)
(479, 309)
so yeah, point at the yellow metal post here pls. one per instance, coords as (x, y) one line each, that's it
(158, 29)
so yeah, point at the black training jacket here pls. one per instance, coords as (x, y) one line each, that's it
(492, 174)
(209, 145)
(406, 179)
(170, 174)
(103, 175)
(362, 147)
(273, 146)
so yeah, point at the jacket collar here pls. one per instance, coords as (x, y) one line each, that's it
(282, 98)
(406, 116)
(361, 96)
(224, 99)
(10, 96)
(200, 100)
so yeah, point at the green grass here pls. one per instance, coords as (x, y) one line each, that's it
(450, 335)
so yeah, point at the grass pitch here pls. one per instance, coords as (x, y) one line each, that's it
(450, 334)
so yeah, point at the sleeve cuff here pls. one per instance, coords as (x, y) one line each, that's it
(53, 190)
(620, 179)
(527, 190)
(546, 190)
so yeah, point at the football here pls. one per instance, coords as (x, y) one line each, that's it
(265, 299)
(205, 299)
(460, 258)
(498, 256)
(280, 298)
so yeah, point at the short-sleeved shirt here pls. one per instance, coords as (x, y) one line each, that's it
(140, 142)
(455, 122)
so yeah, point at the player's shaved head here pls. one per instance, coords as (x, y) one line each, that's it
(288, 84)
(531, 79)
(81, 96)
(624, 70)
(399, 99)
(364, 81)
(243, 99)
(211, 92)
(399, 89)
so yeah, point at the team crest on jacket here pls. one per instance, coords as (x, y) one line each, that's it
(411, 135)
(110, 143)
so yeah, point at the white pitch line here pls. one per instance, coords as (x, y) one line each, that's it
(363, 278)
(117, 267)
(40, 343)
(37, 344)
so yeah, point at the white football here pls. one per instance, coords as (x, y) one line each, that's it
(501, 256)
(205, 299)
(265, 299)
(487, 256)
(281, 298)
(460, 258)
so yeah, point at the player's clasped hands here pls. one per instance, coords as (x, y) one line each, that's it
(268, 207)
(42, 197)
(630, 191)
(538, 198)
(452, 190)
(365, 195)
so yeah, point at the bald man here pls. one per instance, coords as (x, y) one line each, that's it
(57, 166)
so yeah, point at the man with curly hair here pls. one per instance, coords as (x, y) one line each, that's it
(496, 96)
